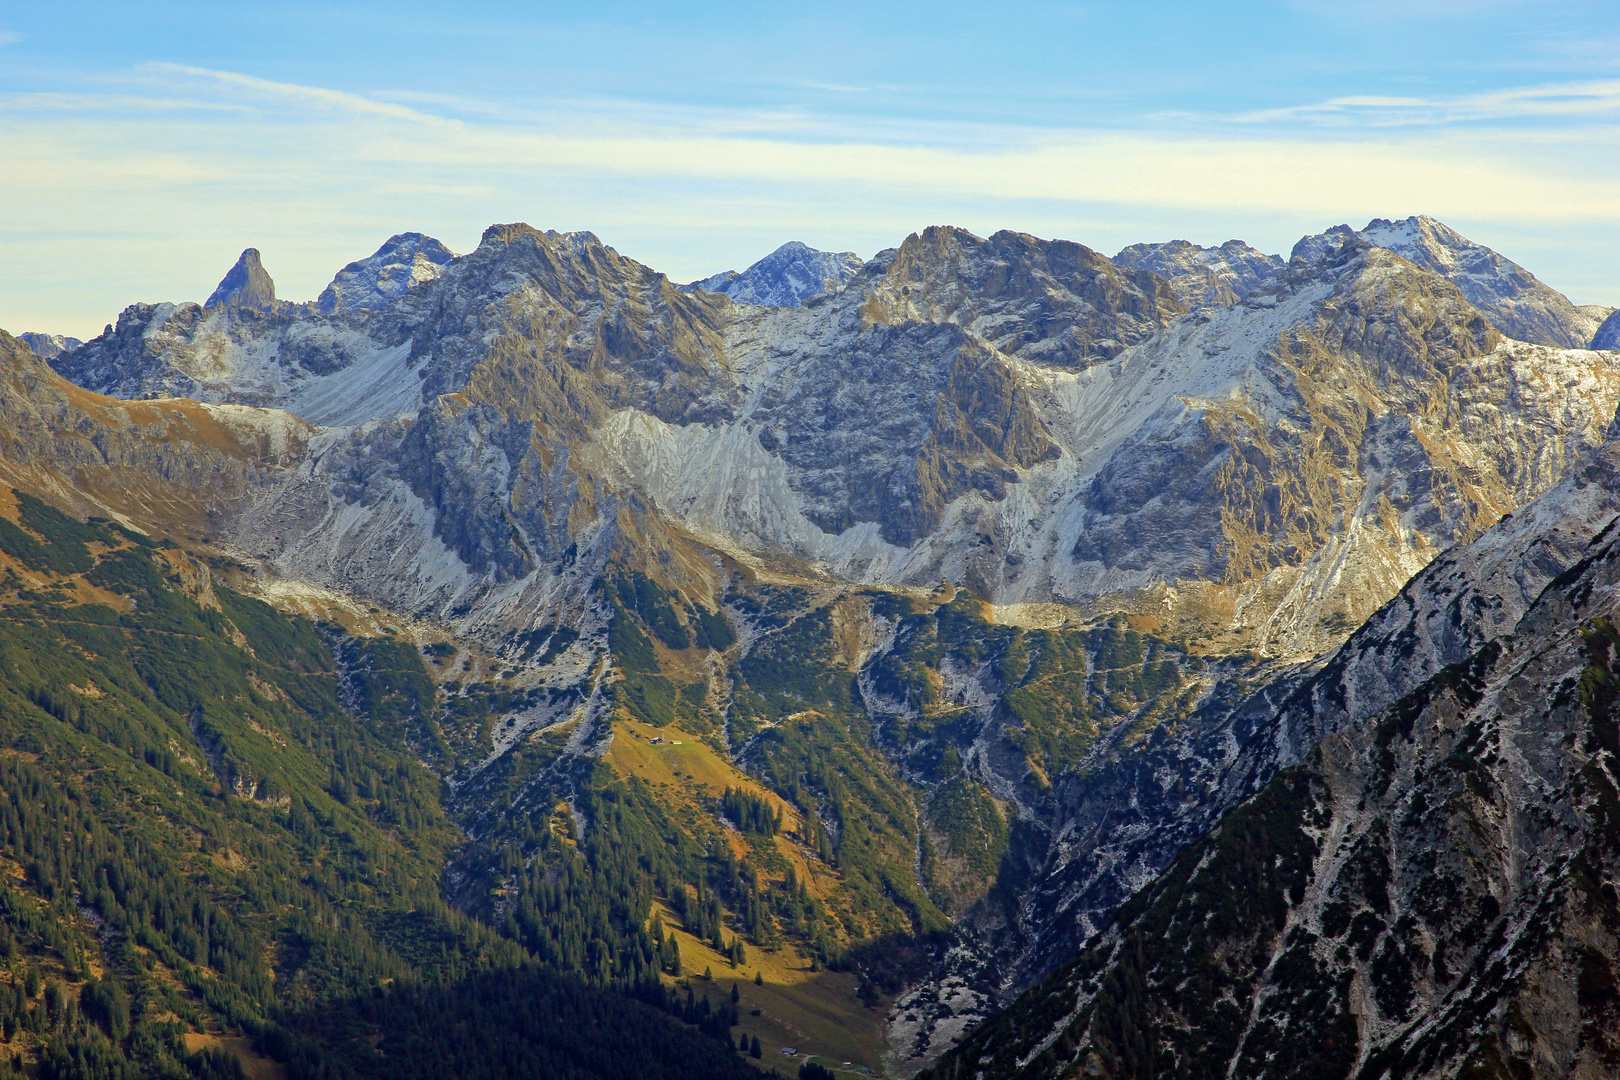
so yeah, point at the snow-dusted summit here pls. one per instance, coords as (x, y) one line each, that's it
(1205, 277)
(787, 277)
(401, 264)
(1514, 299)
(46, 346)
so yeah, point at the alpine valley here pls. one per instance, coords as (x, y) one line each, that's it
(989, 658)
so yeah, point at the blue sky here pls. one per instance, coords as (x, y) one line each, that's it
(143, 145)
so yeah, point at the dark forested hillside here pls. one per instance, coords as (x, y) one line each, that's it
(202, 848)
(1430, 893)
(227, 826)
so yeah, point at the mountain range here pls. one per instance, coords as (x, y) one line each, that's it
(1012, 586)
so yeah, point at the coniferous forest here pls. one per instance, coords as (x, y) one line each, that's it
(218, 845)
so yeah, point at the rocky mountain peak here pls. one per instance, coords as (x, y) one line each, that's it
(1050, 301)
(1034, 396)
(505, 234)
(405, 261)
(577, 242)
(787, 277)
(1204, 277)
(1516, 302)
(247, 285)
(48, 346)
(1311, 249)
(515, 232)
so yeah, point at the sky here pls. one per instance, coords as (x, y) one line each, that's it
(143, 146)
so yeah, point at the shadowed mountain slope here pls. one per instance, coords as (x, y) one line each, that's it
(1426, 892)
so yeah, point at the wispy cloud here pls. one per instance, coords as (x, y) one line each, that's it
(86, 103)
(836, 88)
(1582, 99)
(310, 95)
(1402, 10)
(1472, 173)
(211, 161)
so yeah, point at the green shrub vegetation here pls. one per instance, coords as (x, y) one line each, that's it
(214, 818)
(750, 813)
(244, 803)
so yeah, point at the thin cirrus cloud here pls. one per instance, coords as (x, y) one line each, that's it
(1243, 169)
(310, 95)
(1583, 100)
(1479, 173)
(198, 162)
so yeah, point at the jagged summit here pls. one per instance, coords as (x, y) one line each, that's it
(247, 285)
(47, 346)
(511, 232)
(787, 277)
(1049, 301)
(1312, 248)
(1033, 396)
(1204, 277)
(1516, 302)
(403, 263)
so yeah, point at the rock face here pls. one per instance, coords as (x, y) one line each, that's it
(787, 277)
(246, 285)
(1607, 335)
(1023, 416)
(1349, 337)
(49, 346)
(327, 370)
(168, 463)
(1053, 302)
(1516, 302)
(1422, 894)
(401, 264)
(1205, 278)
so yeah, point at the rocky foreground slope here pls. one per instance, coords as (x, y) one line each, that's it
(1000, 569)
(1426, 889)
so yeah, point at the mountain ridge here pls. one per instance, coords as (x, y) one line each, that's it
(995, 526)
